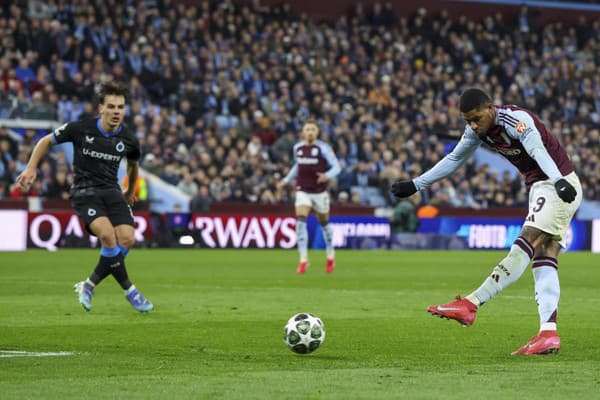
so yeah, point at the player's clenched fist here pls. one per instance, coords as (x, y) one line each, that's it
(402, 189)
(565, 190)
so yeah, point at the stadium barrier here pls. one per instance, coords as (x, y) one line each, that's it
(52, 230)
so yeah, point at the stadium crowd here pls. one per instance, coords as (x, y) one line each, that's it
(219, 92)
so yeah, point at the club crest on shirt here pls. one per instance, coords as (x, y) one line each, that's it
(314, 151)
(521, 127)
(120, 147)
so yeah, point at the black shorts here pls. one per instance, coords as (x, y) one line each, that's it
(106, 203)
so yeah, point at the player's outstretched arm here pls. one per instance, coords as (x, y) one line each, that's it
(445, 167)
(27, 177)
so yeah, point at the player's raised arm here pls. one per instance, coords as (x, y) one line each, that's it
(27, 177)
(444, 168)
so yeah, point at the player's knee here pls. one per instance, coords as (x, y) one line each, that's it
(323, 218)
(108, 238)
(551, 248)
(127, 241)
(530, 235)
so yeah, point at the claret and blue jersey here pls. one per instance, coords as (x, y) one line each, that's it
(308, 161)
(520, 137)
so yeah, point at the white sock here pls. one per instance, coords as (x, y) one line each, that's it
(506, 272)
(473, 299)
(328, 237)
(548, 326)
(131, 289)
(547, 290)
(302, 235)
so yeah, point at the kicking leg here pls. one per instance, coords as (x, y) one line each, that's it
(508, 271)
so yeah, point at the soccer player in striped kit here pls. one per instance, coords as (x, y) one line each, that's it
(99, 145)
(554, 196)
(314, 165)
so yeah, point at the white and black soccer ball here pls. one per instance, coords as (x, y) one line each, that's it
(304, 333)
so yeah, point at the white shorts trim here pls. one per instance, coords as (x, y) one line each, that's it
(548, 212)
(318, 201)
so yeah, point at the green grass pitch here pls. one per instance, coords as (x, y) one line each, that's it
(216, 331)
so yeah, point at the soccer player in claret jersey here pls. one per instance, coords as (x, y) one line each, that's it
(314, 165)
(99, 145)
(554, 196)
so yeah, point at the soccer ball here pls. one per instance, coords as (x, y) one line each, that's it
(304, 333)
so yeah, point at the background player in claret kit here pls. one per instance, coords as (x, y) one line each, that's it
(555, 194)
(314, 165)
(99, 145)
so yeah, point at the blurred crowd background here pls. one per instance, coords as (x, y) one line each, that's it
(219, 92)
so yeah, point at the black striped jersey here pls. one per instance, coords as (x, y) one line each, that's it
(97, 153)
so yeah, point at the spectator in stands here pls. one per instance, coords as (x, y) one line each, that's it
(283, 146)
(3, 189)
(343, 198)
(59, 187)
(187, 184)
(24, 72)
(17, 192)
(378, 90)
(170, 174)
(200, 203)
(404, 218)
(6, 155)
(140, 191)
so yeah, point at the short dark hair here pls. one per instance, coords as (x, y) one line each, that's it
(473, 99)
(112, 88)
